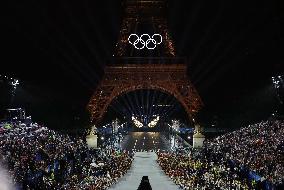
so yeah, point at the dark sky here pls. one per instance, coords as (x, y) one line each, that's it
(59, 49)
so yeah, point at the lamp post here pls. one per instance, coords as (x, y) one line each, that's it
(176, 126)
(169, 131)
(114, 130)
(278, 86)
(174, 134)
(111, 138)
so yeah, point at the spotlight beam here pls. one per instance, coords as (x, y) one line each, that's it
(128, 106)
(137, 103)
(131, 104)
(118, 106)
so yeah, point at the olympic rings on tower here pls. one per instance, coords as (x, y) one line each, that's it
(145, 40)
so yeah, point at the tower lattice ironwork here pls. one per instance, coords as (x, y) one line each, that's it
(133, 69)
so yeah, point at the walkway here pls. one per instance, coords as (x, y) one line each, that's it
(145, 141)
(145, 164)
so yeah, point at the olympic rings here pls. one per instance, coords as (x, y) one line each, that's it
(141, 42)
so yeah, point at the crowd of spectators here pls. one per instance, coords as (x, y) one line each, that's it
(258, 147)
(39, 158)
(249, 158)
(200, 172)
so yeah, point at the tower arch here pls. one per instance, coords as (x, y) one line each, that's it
(119, 79)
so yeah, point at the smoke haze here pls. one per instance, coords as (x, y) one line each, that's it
(5, 180)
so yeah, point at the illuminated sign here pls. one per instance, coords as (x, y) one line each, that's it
(145, 41)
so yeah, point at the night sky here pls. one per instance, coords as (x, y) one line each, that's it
(58, 51)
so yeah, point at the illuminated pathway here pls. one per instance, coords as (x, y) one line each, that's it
(145, 164)
(145, 141)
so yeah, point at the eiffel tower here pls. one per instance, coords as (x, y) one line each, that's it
(133, 69)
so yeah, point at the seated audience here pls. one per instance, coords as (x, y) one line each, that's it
(249, 158)
(39, 158)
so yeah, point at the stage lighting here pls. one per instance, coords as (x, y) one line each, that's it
(15, 82)
(136, 122)
(154, 122)
(277, 81)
